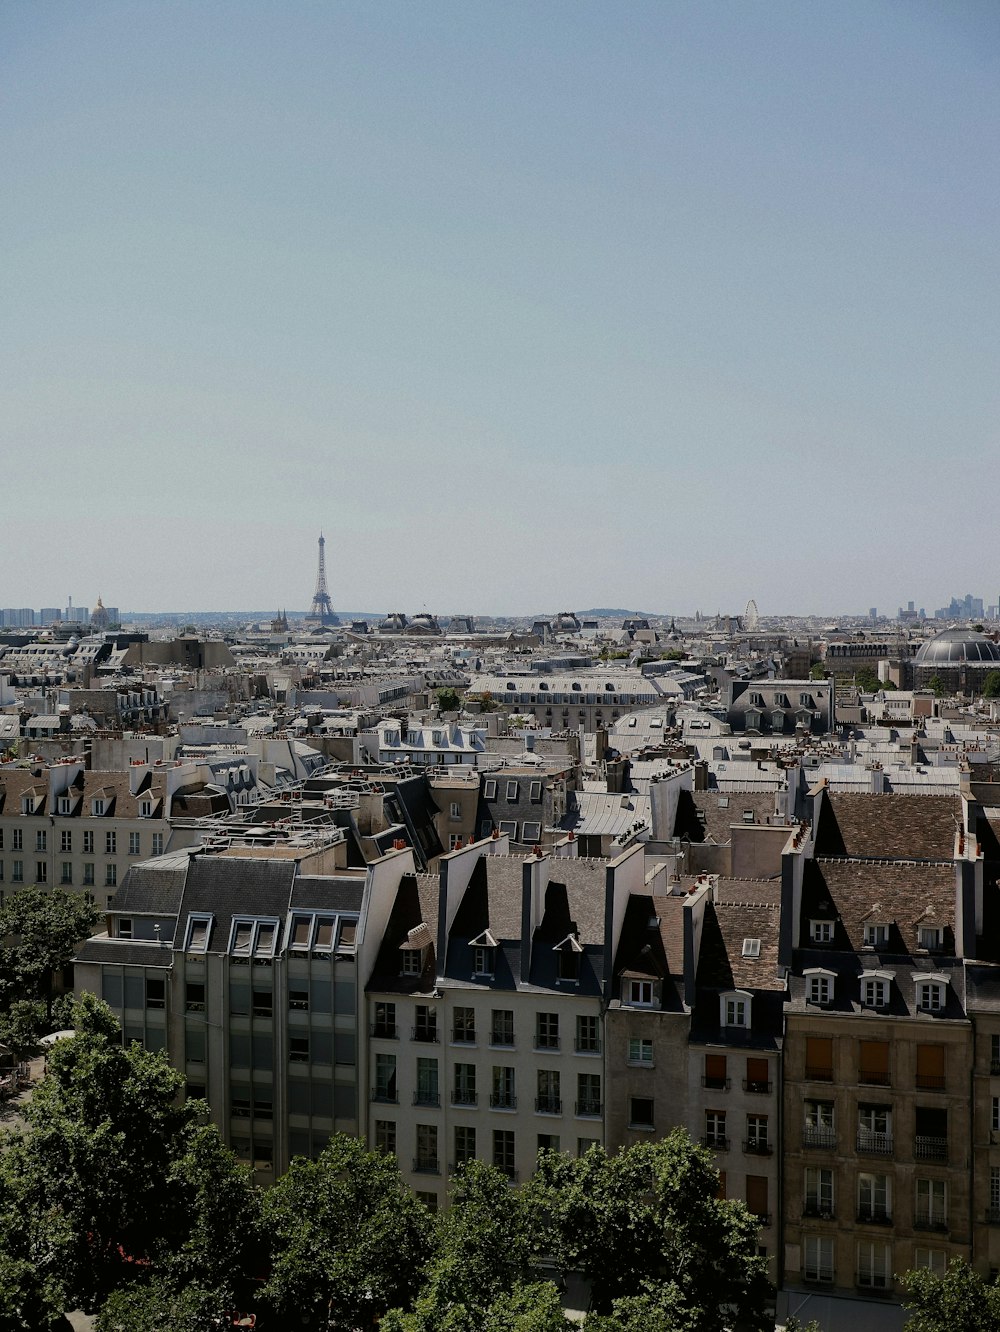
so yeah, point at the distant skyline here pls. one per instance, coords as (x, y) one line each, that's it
(572, 304)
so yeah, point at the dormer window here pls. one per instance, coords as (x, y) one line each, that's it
(777, 721)
(198, 932)
(641, 993)
(484, 952)
(64, 805)
(124, 930)
(753, 716)
(511, 791)
(97, 807)
(490, 790)
(28, 804)
(735, 1009)
(535, 791)
(323, 938)
(931, 994)
(251, 938)
(145, 809)
(568, 953)
(819, 986)
(751, 948)
(409, 962)
(821, 931)
(930, 937)
(876, 936)
(875, 989)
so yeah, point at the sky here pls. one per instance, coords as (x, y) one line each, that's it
(526, 306)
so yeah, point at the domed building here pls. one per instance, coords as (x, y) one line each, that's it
(960, 658)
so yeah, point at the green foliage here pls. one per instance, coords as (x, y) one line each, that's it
(867, 680)
(40, 932)
(649, 1218)
(348, 1239)
(936, 685)
(675, 654)
(991, 685)
(448, 700)
(116, 1179)
(817, 671)
(959, 1299)
(486, 701)
(148, 1307)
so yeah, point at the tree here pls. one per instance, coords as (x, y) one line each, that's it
(647, 1219)
(959, 1299)
(936, 685)
(117, 1181)
(40, 932)
(448, 700)
(991, 685)
(816, 672)
(144, 1308)
(347, 1239)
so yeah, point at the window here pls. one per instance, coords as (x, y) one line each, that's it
(588, 1035)
(454, 809)
(817, 1264)
(465, 1085)
(640, 1113)
(875, 1130)
(323, 936)
(410, 962)
(640, 993)
(65, 841)
(502, 1027)
(751, 948)
(930, 995)
(930, 1210)
(17, 840)
(930, 937)
(994, 1210)
(41, 841)
(547, 1031)
(157, 845)
(535, 791)
(819, 1058)
(758, 1076)
(465, 1145)
(511, 792)
(63, 805)
(715, 1129)
(508, 828)
(874, 1265)
(145, 809)
(548, 1142)
(385, 1019)
(503, 1151)
(385, 1077)
(873, 1063)
(818, 1129)
(427, 1083)
(88, 873)
(97, 807)
(199, 929)
(463, 1029)
(874, 991)
(821, 931)
(242, 938)
(502, 1097)
(818, 1191)
(133, 844)
(427, 1149)
(298, 1001)
(110, 843)
(583, 1145)
(483, 960)
(716, 1076)
(531, 832)
(548, 1100)
(263, 1003)
(588, 1093)
(41, 871)
(111, 876)
(820, 988)
(194, 997)
(490, 790)
(88, 843)
(873, 1198)
(930, 1067)
(156, 992)
(17, 871)
(124, 930)
(931, 1260)
(757, 1198)
(995, 1113)
(640, 1051)
(735, 1010)
(876, 936)
(425, 1023)
(266, 934)
(756, 1139)
(385, 1136)
(347, 935)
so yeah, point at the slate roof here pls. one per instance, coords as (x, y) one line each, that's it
(319, 893)
(408, 913)
(125, 953)
(653, 951)
(153, 888)
(902, 895)
(707, 816)
(902, 993)
(889, 827)
(228, 886)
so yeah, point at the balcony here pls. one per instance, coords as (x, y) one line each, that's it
(879, 1215)
(588, 1047)
(716, 1084)
(924, 1219)
(995, 1067)
(930, 1081)
(874, 1144)
(718, 1142)
(426, 1165)
(589, 1109)
(757, 1147)
(820, 1275)
(385, 1031)
(503, 1101)
(819, 1137)
(757, 1088)
(819, 1073)
(546, 1042)
(548, 1105)
(464, 1096)
(818, 1210)
(505, 1039)
(427, 1034)
(873, 1077)
(463, 1036)
(384, 1096)
(930, 1149)
(426, 1097)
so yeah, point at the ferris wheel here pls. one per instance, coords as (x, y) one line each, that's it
(751, 616)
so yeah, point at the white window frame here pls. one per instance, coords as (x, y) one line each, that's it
(510, 791)
(535, 791)
(930, 937)
(931, 994)
(751, 948)
(638, 990)
(874, 989)
(876, 935)
(194, 919)
(531, 832)
(821, 931)
(818, 1258)
(734, 1008)
(490, 789)
(640, 1051)
(508, 827)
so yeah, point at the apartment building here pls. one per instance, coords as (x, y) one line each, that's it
(485, 1011)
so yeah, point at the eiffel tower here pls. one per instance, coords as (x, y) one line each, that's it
(321, 610)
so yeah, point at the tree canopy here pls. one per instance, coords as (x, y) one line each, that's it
(39, 933)
(991, 685)
(958, 1299)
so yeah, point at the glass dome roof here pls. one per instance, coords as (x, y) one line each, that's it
(957, 646)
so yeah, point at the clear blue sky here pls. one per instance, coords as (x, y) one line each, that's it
(526, 305)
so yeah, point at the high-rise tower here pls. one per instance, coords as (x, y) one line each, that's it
(321, 610)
